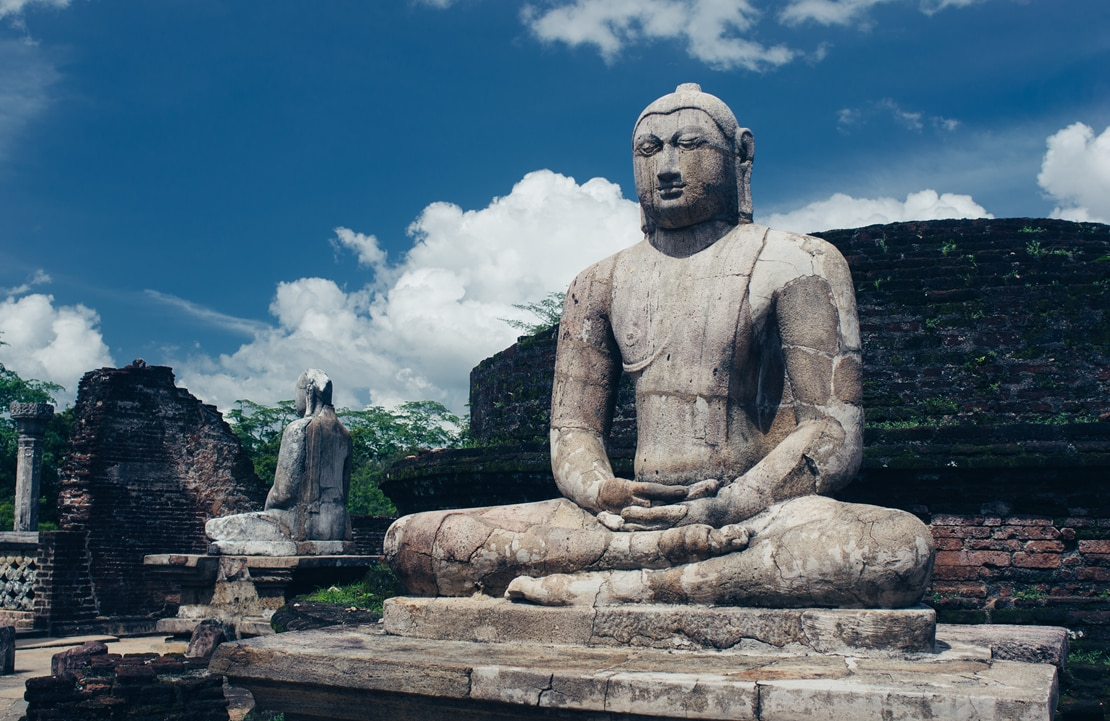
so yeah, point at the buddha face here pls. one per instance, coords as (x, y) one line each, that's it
(685, 169)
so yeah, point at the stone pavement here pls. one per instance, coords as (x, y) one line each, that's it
(32, 658)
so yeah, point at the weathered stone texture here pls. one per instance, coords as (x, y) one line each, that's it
(360, 673)
(878, 632)
(148, 465)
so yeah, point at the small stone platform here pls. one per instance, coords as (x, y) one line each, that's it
(244, 591)
(550, 663)
(882, 632)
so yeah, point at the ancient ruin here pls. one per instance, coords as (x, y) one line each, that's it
(30, 420)
(743, 348)
(306, 508)
(720, 581)
(300, 541)
(148, 465)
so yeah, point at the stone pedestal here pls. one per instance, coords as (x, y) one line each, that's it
(593, 664)
(30, 420)
(244, 591)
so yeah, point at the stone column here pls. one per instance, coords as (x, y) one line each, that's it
(30, 420)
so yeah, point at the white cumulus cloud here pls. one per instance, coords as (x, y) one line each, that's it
(844, 211)
(15, 7)
(712, 30)
(51, 343)
(418, 335)
(846, 12)
(1075, 172)
(826, 12)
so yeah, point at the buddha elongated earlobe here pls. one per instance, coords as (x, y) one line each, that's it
(745, 153)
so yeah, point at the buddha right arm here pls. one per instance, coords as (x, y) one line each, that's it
(587, 369)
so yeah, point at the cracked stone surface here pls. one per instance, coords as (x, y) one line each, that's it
(871, 632)
(363, 673)
(743, 346)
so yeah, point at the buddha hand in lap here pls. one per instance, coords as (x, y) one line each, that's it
(743, 346)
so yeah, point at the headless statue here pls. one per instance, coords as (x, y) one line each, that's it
(306, 509)
(743, 347)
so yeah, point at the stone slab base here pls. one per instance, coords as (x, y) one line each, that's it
(881, 632)
(245, 627)
(280, 548)
(244, 591)
(364, 674)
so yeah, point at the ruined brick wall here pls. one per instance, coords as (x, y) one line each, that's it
(148, 465)
(64, 601)
(141, 687)
(986, 321)
(368, 533)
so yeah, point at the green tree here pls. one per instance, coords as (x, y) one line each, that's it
(259, 429)
(379, 438)
(13, 388)
(548, 311)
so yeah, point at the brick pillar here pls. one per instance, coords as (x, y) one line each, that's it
(30, 420)
(65, 602)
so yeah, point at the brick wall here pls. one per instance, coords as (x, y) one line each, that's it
(148, 465)
(63, 593)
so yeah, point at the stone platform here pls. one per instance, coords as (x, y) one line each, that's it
(540, 663)
(871, 632)
(244, 591)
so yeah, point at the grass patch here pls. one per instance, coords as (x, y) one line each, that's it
(369, 593)
(1092, 657)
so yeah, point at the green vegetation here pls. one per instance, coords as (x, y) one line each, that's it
(1035, 249)
(369, 593)
(1090, 657)
(13, 388)
(1031, 229)
(1031, 594)
(379, 436)
(949, 246)
(547, 311)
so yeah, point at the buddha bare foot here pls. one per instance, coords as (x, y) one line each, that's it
(593, 588)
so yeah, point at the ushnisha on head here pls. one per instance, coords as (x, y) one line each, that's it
(692, 161)
(313, 392)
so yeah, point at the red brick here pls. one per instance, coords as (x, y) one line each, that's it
(992, 544)
(1029, 521)
(961, 532)
(948, 544)
(1099, 546)
(1027, 532)
(1044, 546)
(949, 519)
(972, 590)
(972, 558)
(1037, 560)
(1097, 559)
(959, 573)
(1093, 574)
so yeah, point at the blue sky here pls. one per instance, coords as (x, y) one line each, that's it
(243, 189)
